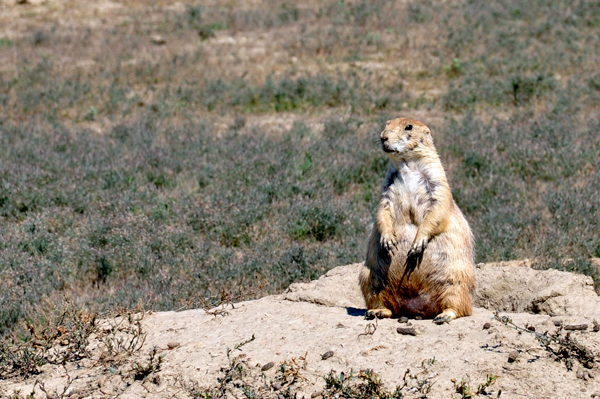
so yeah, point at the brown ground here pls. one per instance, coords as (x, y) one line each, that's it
(293, 330)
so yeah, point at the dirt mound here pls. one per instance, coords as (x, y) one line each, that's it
(504, 286)
(314, 336)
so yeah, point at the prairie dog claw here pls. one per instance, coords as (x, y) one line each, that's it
(418, 247)
(388, 242)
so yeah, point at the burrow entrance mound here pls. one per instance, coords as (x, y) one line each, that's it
(310, 338)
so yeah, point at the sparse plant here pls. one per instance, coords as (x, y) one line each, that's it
(64, 335)
(562, 346)
(17, 395)
(123, 334)
(490, 380)
(363, 385)
(141, 371)
(463, 388)
(61, 336)
(91, 114)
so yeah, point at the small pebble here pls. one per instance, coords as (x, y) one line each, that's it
(531, 328)
(487, 326)
(591, 374)
(316, 394)
(596, 327)
(584, 374)
(326, 355)
(403, 319)
(557, 323)
(158, 40)
(407, 331)
(267, 366)
(576, 327)
(512, 356)
(102, 381)
(173, 345)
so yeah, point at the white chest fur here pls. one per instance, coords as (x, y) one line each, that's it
(410, 190)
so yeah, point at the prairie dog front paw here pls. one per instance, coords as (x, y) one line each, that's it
(418, 246)
(388, 242)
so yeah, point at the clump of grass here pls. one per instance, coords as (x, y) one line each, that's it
(366, 384)
(141, 371)
(238, 377)
(242, 378)
(490, 380)
(316, 223)
(561, 345)
(122, 335)
(62, 336)
(463, 387)
(21, 361)
(5, 42)
(39, 37)
(62, 333)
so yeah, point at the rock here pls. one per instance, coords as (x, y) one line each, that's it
(407, 331)
(267, 366)
(173, 345)
(508, 288)
(576, 327)
(338, 287)
(158, 40)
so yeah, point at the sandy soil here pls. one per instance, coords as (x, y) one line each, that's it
(295, 329)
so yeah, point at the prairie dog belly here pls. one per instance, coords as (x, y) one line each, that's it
(409, 195)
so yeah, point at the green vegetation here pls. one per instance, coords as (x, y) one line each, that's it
(362, 386)
(147, 173)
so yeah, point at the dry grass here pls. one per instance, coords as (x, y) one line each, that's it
(243, 151)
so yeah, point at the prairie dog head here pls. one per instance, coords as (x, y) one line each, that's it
(405, 138)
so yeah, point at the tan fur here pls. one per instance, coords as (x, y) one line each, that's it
(420, 253)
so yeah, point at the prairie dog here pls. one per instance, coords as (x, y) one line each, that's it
(420, 254)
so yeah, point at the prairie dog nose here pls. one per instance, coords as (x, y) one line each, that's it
(385, 135)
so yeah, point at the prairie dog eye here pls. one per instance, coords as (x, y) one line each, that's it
(408, 127)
